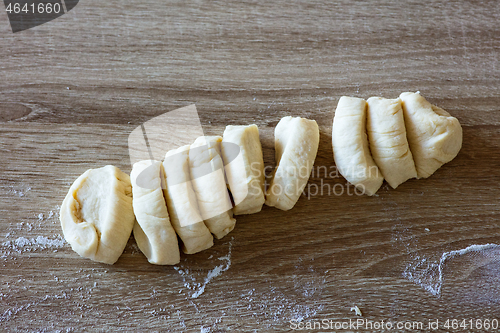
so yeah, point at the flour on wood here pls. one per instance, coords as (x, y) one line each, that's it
(23, 244)
(20, 192)
(429, 274)
(191, 279)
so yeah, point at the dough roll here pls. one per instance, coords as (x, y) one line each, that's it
(209, 184)
(182, 204)
(96, 215)
(387, 137)
(296, 142)
(435, 137)
(350, 146)
(244, 166)
(153, 232)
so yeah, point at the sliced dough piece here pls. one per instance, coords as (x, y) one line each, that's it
(350, 146)
(153, 232)
(182, 204)
(435, 137)
(242, 154)
(387, 137)
(296, 145)
(96, 215)
(209, 184)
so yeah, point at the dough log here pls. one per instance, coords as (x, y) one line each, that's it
(209, 184)
(435, 137)
(242, 154)
(387, 137)
(153, 232)
(296, 145)
(182, 204)
(350, 146)
(96, 215)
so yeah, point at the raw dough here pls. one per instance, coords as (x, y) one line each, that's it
(182, 204)
(153, 232)
(350, 146)
(296, 145)
(96, 215)
(435, 137)
(209, 184)
(388, 144)
(242, 154)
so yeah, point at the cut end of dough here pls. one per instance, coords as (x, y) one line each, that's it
(435, 137)
(96, 215)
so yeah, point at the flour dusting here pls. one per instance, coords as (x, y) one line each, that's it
(429, 274)
(9, 313)
(278, 306)
(52, 215)
(20, 192)
(11, 244)
(199, 287)
(22, 244)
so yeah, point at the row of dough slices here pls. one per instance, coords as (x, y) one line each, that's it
(392, 139)
(186, 196)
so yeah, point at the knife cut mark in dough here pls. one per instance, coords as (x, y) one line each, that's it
(153, 232)
(244, 168)
(209, 184)
(388, 144)
(296, 145)
(182, 204)
(435, 137)
(350, 146)
(97, 216)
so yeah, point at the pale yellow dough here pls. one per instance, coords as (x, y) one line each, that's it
(350, 146)
(182, 203)
(153, 232)
(296, 142)
(96, 215)
(244, 171)
(387, 137)
(435, 137)
(209, 184)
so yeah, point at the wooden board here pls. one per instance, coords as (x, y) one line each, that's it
(73, 90)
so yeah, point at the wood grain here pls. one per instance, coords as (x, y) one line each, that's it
(73, 90)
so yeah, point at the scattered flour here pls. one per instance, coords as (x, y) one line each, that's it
(22, 244)
(9, 313)
(275, 306)
(199, 287)
(51, 215)
(356, 310)
(429, 274)
(26, 244)
(20, 192)
(272, 307)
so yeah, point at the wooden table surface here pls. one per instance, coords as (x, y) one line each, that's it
(73, 89)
